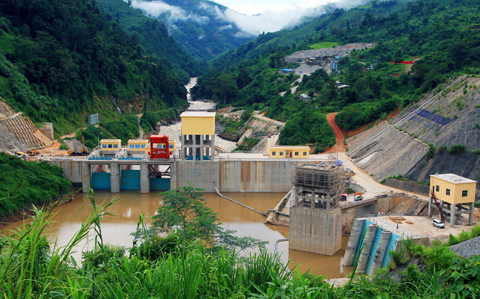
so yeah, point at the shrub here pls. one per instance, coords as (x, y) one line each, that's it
(431, 151)
(101, 256)
(457, 149)
(452, 240)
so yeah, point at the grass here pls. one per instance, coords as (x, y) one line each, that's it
(324, 45)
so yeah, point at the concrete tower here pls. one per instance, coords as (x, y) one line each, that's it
(198, 135)
(316, 219)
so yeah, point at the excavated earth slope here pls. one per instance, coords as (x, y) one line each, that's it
(447, 116)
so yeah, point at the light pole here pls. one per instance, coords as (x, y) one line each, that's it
(98, 138)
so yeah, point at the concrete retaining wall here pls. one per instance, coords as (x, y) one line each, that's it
(408, 186)
(72, 170)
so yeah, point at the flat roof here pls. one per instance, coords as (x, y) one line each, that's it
(110, 140)
(137, 140)
(197, 114)
(453, 178)
(290, 146)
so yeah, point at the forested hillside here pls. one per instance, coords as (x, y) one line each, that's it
(442, 36)
(61, 58)
(199, 26)
(154, 38)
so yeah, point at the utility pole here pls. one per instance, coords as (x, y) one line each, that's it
(224, 94)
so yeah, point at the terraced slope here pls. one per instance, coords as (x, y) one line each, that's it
(445, 117)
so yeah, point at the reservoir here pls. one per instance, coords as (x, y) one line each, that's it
(117, 229)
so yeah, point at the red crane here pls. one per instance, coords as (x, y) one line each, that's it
(159, 148)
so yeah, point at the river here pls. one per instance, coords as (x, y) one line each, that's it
(117, 229)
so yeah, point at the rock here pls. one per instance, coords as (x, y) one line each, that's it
(468, 248)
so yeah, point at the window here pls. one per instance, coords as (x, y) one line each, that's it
(132, 146)
(274, 153)
(109, 146)
(170, 146)
(304, 153)
(137, 145)
(281, 153)
(104, 146)
(143, 145)
(464, 193)
(437, 188)
(448, 191)
(115, 146)
(296, 153)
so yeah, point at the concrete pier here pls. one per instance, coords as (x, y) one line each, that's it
(315, 230)
(353, 242)
(381, 251)
(144, 178)
(115, 177)
(85, 175)
(367, 248)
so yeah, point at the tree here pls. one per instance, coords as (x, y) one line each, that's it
(185, 211)
(225, 87)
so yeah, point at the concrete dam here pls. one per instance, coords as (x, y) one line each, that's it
(228, 175)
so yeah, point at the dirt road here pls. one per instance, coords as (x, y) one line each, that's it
(339, 146)
(368, 182)
(275, 122)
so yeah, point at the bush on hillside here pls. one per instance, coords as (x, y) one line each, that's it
(25, 183)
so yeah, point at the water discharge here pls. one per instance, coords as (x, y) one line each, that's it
(117, 229)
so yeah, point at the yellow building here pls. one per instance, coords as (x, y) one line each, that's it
(110, 144)
(138, 145)
(198, 135)
(290, 151)
(452, 193)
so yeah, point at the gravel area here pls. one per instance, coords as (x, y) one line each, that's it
(468, 248)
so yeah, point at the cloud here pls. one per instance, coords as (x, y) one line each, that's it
(229, 26)
(253, 18)
(173, 13)
(250, 18)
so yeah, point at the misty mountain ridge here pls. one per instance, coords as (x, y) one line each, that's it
(201, 27)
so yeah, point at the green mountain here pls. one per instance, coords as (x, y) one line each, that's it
(199, 26)
(444, 34)
(62, 58)
(154, 38)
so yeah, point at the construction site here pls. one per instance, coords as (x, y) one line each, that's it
(316, 206)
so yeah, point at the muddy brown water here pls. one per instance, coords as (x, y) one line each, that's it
(117, 229)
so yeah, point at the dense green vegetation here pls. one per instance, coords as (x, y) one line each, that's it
(23, 184)
(172, 267)
(308, 127)
(203, 32)
(154, 38)
(443, 33)
(60, 58)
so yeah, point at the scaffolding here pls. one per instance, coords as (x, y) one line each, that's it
(318, 185)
